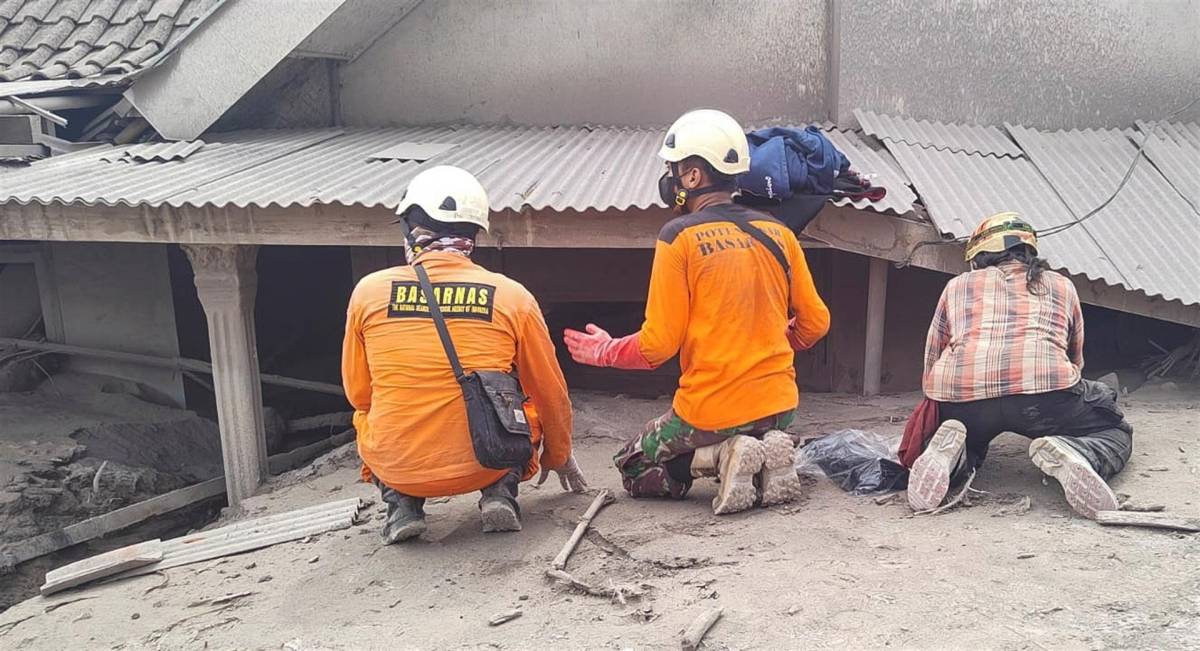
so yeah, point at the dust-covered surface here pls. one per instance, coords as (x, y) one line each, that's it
(834, 571)
(82, 445)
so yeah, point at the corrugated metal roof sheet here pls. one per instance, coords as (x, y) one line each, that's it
(1183, 133)
(1175, 151)
(1148, 231)
(961, 189)
(968, 138)
(874, 165)
(249, 535)
(1144, 240)
(156, 151)
(562, 168)
(88, 177)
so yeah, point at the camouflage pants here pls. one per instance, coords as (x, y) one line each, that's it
(643, 460)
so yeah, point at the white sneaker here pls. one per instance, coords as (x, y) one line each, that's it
(929, 479)
(1086, 491)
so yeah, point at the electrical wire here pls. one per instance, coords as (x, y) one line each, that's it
(1137, 158)
(1059, 228)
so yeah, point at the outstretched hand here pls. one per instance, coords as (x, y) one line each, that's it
(589, 347)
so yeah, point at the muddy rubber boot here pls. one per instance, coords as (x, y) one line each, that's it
(498, 508)
(405, 517)
(779, 481)
(1085, 489)
(929, 480)
(736, 461)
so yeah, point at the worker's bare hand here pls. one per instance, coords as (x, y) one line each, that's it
(588, 347)
(569, 475)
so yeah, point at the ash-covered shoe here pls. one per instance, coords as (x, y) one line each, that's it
(929, 479)
(779, 481)
(405, 519)
(498, 515)
(738, 459)
(1086, 491)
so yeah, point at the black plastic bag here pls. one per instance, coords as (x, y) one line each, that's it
(860, 462)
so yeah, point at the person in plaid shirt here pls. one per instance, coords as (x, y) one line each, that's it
(1005, 353)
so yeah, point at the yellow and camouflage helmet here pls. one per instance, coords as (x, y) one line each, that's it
(1001, 232)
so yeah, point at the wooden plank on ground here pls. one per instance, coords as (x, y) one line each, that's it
(1152, 520)
(109, 522)
(102, 565)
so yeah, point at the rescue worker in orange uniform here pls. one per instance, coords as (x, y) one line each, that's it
(410, 413)
(721, 300)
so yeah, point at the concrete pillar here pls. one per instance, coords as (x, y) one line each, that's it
(876, 305)
(226, 283)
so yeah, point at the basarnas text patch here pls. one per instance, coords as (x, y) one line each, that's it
(456, 300)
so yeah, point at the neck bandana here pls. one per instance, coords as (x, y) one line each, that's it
(424, 240)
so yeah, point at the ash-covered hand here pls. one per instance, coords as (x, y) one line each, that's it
(569, 475)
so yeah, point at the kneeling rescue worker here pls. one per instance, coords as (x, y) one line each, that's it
(720, 298)
(410, 413)
(1004, 354)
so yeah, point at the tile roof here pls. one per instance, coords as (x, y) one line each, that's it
(968, 138)
(77, 39)
(561, 168)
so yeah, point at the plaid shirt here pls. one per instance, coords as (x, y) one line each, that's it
(991, 337)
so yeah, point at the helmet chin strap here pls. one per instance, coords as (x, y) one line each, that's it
(678, 194)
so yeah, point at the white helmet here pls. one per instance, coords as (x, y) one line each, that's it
(447, 194)
(712, 135)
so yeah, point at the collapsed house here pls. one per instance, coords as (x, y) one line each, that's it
(207, 178)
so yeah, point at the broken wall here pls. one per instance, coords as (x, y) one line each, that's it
(117, 296)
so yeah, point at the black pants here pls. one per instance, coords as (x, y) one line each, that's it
(1086, 416)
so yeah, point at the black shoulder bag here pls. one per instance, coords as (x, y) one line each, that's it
(766, 240)
(500, 431)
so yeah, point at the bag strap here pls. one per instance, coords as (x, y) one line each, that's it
(766, 240)
(439, 321)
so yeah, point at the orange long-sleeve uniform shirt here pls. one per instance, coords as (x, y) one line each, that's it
(410, 414)
(721, 301)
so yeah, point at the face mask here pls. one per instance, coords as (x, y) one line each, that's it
(676, 196)
(668, 193)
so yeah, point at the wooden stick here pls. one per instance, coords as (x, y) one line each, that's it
(699, 627)
(952, 503)
(1152, 520)
(615, 592)
(175, 363)
(603, 498)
